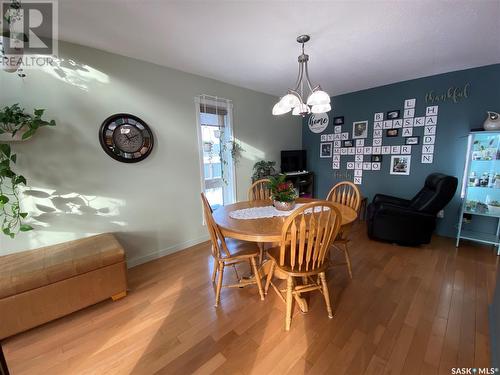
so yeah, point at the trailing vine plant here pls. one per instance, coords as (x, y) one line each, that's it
(13, 119)
(233, 147)
(10, 210)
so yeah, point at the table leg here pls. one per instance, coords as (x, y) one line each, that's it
(3, 363)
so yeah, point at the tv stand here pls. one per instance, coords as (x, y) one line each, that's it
(303, 181)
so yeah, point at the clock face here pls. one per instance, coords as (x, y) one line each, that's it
(126, 138)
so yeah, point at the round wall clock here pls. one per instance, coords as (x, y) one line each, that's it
(126, 138)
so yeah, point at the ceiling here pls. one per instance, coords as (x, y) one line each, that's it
(354, 44)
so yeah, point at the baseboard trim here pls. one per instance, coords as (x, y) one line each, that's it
(161, 253)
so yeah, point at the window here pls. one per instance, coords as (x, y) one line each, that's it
(214, 116)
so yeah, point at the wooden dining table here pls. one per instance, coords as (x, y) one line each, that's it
(266, 230)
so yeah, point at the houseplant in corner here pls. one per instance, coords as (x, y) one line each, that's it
(263, 169)
(14, 121)
(282, 193)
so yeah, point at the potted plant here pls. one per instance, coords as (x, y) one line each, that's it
(16, 125)
(283, 193)
(263, 169)
(494, 208)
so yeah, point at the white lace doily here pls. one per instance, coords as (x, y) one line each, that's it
(264, 212)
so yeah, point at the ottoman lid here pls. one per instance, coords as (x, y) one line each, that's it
(27, 270)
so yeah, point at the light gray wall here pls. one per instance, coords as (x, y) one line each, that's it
(154, 205)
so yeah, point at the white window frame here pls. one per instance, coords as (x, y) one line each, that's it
(229, 191)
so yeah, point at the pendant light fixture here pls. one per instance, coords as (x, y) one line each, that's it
(318, 100)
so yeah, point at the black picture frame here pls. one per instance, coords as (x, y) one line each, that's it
(414, 140)
(348, 143)
(393, 115)
(392, 133)
(339, 120)
(376, 158)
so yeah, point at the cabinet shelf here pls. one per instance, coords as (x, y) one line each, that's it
(480, 213)
(479, 237)
(483, 187)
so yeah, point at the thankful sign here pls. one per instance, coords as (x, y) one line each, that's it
(454, 94)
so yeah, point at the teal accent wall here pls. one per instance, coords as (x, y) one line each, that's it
(455, 120)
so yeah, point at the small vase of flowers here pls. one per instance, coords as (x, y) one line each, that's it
(282, 192)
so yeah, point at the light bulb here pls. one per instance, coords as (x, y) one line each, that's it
(301, 109)
(321, 108)
(279, 109)
(318, 97)
(290, 101)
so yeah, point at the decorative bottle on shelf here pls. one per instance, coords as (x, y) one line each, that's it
(472, 178)
(492, 122)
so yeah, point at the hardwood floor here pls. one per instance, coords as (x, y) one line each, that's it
(406, 311)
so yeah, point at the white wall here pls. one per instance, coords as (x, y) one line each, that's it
(154, 205)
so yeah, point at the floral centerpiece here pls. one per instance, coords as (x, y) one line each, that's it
(282, 192)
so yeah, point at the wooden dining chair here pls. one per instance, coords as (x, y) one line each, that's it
(306, 237)
(348, 194)
(229, 252)
(259, 190)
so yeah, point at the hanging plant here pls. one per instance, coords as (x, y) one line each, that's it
(236, 151)
(14, 121)
(226, 145)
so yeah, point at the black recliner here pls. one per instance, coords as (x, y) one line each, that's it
(410, 222)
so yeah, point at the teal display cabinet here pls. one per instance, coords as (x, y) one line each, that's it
(480, 190)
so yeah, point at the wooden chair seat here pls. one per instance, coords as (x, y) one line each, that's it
(241, 249)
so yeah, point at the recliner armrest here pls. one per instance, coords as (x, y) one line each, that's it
(382, 198)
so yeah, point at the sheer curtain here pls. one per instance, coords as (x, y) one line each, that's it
(215, 141)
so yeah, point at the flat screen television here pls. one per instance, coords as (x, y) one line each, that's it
(293, 161)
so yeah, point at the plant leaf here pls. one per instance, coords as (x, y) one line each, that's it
(29, 133)
(3, 199)
(20, 180)
(25, 228)
(5, 149)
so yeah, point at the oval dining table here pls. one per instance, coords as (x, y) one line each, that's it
(266, 230)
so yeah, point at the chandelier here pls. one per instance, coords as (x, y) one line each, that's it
(318, 100)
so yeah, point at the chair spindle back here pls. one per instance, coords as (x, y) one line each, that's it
(307, 235)
(219, 247)
(259, 190)
(346, 193)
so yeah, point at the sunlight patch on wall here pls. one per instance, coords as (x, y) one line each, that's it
(250, 152)
(59, 216)
(74, 73)
(46, 204)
